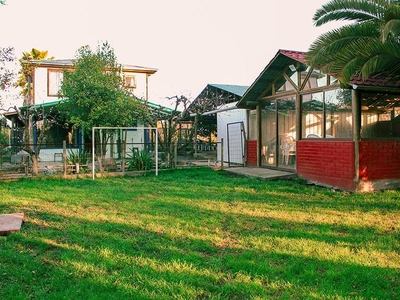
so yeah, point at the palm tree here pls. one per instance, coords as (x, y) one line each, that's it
(27, 70)
(370, 45)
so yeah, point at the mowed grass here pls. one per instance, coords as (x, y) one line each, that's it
(198, 234)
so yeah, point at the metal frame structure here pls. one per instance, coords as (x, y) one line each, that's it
(120, 128)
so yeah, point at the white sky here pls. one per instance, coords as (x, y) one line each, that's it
(190, 42)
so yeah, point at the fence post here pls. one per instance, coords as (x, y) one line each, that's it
(176, 154)
(123, 158)
(65, 157)
(222, 153)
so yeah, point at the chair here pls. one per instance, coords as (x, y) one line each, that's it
(288, 148)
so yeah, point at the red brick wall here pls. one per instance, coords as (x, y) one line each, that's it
(379, 160)
(328, 162)
(252, 153)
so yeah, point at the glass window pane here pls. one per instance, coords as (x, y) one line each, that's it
(287, 131)
(54, 82)
(317, 79)
(338, 114)
(253, 125)
(282, 85)
(268, 134)
(380, 115)
(312, 115)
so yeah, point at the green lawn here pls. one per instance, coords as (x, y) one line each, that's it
(198, 234)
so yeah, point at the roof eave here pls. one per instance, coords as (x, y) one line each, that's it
(243, 103)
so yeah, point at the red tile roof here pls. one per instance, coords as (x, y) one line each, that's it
(297, 55)
(376, 80)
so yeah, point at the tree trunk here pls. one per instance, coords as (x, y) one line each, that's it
(35, 165)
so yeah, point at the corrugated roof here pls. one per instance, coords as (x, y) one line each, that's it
(238, 90)
(214, 95)
(148, 103)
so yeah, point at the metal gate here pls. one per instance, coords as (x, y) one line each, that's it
(236, 144)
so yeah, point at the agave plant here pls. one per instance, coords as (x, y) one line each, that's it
(140, 160)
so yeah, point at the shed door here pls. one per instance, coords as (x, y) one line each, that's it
(236, 139)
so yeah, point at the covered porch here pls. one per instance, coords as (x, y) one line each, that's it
(304, 121)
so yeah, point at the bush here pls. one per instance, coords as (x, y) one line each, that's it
(75, 157)
(140, 161)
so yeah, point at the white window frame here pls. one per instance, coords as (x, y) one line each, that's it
(130, 81)
(54, 81)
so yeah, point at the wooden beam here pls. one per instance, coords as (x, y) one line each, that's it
(303, 84)
(356, 111)
(296, 88)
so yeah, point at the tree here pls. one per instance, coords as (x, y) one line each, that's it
(94, 93)
(3, 135)
(6, 74)
(37, 119)
(366, 47)
(34, 119)
(24, 80)
(169, 124)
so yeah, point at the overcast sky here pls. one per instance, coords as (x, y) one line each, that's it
(190, 42)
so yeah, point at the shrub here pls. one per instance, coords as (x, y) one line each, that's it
(75, 157)
(140, 161)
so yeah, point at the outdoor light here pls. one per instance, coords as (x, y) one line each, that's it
(292, 68)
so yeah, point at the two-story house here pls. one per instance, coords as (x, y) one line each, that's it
(45, 83)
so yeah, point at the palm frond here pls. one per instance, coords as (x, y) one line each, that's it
(328, 45)
(350, 10)
(391, 30)
(381, 58)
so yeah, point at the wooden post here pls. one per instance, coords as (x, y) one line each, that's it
(195, 135)
(123, 159)
(356, 107)
(176, 154)
(124, 141)
(298, 117)
(222, 153)
(65, 157)
(259, 134)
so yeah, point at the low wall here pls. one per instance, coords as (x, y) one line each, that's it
(379, 160)
(327, 162)
(251, 153)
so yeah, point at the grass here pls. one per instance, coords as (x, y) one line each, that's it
(198, 234)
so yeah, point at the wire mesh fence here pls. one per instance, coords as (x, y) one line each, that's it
(110, 157)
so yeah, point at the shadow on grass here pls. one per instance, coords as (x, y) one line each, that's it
(109, 260)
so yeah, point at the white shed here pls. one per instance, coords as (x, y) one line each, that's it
(232, 129)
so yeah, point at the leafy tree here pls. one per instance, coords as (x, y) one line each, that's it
(32, 118)
(3, 132)
(27, 71)
(368, 46)
(95, 95)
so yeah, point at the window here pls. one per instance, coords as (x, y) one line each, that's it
(327, 114)
(380, 115)
(338, 114)
(312, 115)
(130, 81)
(54, 81)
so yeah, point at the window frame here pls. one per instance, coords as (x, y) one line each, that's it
(49, 85)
